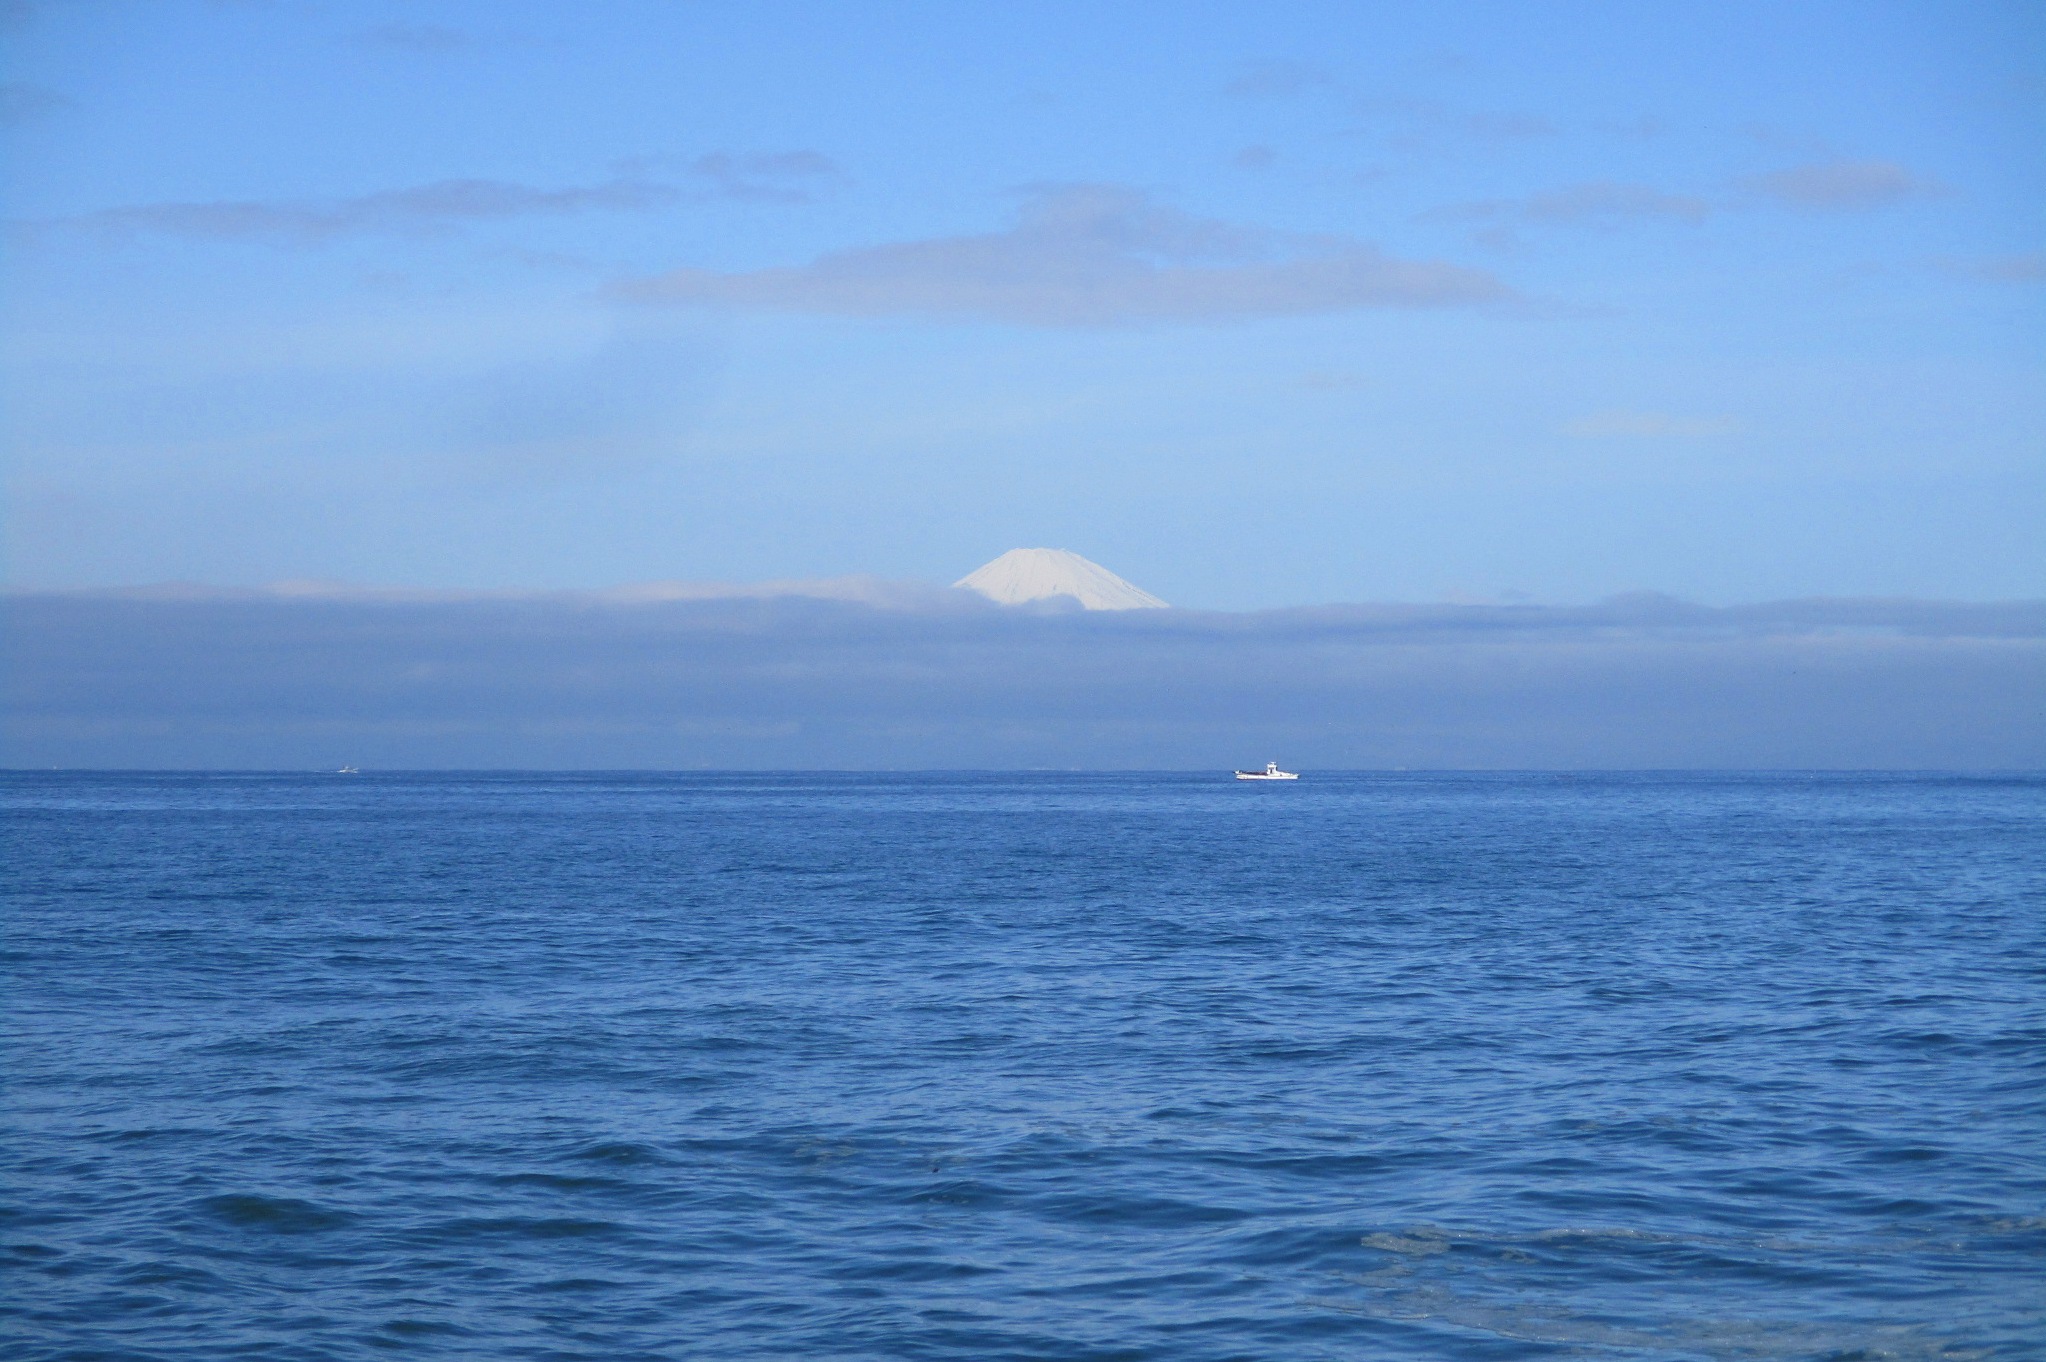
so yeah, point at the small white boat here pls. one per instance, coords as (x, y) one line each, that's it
(348, 771)
(1271, 772)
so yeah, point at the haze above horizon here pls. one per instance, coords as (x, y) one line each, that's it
(1255, 305)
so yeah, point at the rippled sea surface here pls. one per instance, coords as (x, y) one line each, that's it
(1036, 1066)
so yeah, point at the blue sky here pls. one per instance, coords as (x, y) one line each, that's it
(1257, 304)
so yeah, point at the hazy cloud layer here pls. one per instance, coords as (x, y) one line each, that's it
(783, 177)
(1276, 79)
(1407, 123)
(422, 39)
(2028, 267)
(1843, 185)
(425, 207)
(1820, 186)
(1421, 125)
(19, 103)
(1093, 255)
(600, 412)
(773, 177)
(941, 679)
(1596, 201)
(1648, 425)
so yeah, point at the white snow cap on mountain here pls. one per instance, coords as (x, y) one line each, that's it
(1039, 574)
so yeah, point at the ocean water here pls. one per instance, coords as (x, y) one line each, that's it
(1024, 1066)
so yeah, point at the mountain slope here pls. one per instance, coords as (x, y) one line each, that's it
(1039, 574)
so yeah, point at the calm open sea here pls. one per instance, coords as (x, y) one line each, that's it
(1024, 1066)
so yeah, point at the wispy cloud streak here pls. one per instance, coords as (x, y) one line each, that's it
(784, 177)
(20, 103)
(1843, 185)
(772, 177)
(418, 208)
(1596, 201)
(1276, 78)
(1649, 425)
(2028, 267)
(1091, 255)
(431, 40)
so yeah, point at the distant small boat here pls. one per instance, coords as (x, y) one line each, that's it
(348, 771)
(1271, 772)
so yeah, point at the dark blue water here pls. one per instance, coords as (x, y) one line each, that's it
(1048, 1066)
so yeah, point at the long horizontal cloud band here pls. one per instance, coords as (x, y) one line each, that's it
(1090, 256)
(778, 177)
(787, 682)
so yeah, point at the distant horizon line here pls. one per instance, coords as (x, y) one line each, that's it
(896, 592)
(1787, 771)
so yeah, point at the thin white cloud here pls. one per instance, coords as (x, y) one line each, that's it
(593, 414)
(1406, 123)
(420, 39)
(1843, 185)
(1819, 186)
(416, 208)
(2027, 267)
(782, 177)
(1505, 126)
(1594, 201)
(19, 103)
(1419, 125)
(1641, 126)
(1337, 381)
(1649, 425)
(771, 177)
(1091, 255)
(1278, 78)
